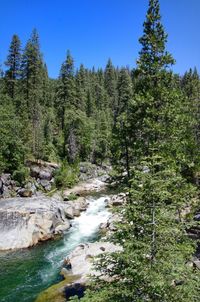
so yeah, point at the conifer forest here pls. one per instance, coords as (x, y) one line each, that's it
(143, 125)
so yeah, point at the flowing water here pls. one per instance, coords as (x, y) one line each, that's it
(27, 272)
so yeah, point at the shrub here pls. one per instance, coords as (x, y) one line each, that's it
(66, 176)
(21, 175)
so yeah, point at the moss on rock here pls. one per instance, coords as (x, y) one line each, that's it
(56, 292)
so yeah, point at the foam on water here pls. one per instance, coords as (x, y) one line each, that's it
(82, 230)
(25, 273)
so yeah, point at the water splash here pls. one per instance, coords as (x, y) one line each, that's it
(84, 229)
(25, 273)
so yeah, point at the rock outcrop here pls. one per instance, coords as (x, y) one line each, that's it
(7, 186)
(116, 200)
(89, 171)
(26, 221)
(81, 259)
(110, 225)
(83, 188)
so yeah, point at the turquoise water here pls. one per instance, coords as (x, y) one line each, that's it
(25, 273)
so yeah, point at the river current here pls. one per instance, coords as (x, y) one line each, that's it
(27, 272)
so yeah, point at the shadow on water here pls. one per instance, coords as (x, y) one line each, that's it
(25, 273)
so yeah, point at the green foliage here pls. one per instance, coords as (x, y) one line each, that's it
(32, 76)
(156, 248)
(66, 176)
(21, 175)
(12, 151)
(122, 130)
(147, 122)
(153, 56)
(72, 196)
(13, 63)
(66, 93)
(77, 135)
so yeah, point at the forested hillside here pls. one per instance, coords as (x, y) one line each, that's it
(95, 115)
(145, 122)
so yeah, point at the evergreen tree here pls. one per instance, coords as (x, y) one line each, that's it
(122, 139)
(81, 89)
(101, 137)
(111, 86)
(13, 63)
(12, 139)
(153, 55)
(90, 105)
(153, 265)
(156, 249)
(32, 78)
(66, 91)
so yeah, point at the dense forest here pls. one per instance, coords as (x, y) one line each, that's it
(145, 122)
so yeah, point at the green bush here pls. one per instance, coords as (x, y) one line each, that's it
(21, 175)
(66, 176)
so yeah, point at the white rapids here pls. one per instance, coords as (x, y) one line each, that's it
(84, 229)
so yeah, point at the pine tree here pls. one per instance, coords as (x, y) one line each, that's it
(111, 86)
(154, 264)
(156, 248)
(90, 105)
(13, 63)
(32, 79)
(66, 90)
(12, 139)
(190, 84)
(122, 139)
(153, 55)
(81, 89)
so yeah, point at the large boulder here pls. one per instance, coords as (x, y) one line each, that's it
(25, 222)
(117, 200)
(81, 259)
(68, 210)
(23, 192)
(110, 225)
(89, 171)
(83, 188)
(45, 184)
(7, 186)
(34, 171)
(73, 208)
(46, 174)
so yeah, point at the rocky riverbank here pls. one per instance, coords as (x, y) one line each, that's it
(26, 221)
(76, 279)
(40, 177)
(81, 258)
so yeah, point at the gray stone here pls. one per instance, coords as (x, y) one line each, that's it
(117, 200)
(31, 186)
(69, 211)
(6, 178)
(25, 192)
(45, 174)
(81, 259)
(111, 224)
(45, 184)
(25, 222)
(83, 169)
(35, 171)
(197, 217)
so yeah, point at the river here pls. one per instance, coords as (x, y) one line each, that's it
(27, 272)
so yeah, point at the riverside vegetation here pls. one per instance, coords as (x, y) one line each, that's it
(145, 122)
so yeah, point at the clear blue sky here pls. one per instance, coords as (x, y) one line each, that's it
(95, 30)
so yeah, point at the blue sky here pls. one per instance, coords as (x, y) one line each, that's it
(95, 30)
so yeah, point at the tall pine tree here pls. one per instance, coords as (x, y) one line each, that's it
(13, 63)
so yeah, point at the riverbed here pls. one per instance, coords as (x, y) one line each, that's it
(27, 272)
